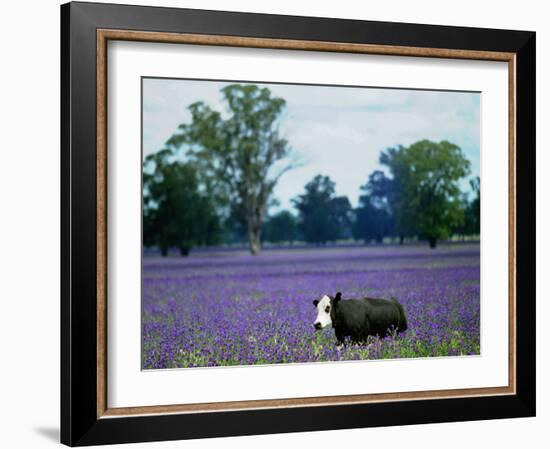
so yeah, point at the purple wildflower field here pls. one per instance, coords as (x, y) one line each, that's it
(230, 308)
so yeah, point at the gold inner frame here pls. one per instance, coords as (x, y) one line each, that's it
(104, 35)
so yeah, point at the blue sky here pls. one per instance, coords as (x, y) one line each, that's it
(335, 131)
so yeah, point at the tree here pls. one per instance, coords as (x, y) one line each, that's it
(175, 212)
(339, 216)
(373, 219)
(323, 216)
(400, 195)
(472, 210)
(426, 190)
(241, 154)
(234, 229)
(281, 227)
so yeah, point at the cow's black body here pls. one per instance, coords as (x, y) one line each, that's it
(359, 318)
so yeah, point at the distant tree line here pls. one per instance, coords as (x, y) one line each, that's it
(419, 198)
(220, 191)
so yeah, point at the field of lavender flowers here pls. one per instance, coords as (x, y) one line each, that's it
(230, 308)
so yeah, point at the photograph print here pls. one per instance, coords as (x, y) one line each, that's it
(296, 223)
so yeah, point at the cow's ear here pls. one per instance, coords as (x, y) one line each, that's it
(338, 297)
(315, 302)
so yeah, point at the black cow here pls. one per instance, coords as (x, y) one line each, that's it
(359, 318)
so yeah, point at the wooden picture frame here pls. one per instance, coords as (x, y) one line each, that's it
(86, 29)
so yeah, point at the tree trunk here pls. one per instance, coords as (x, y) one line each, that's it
(254, 234)
(401, 239)
(433, 242)
(184, 250)
(254, 242)
(163, 251)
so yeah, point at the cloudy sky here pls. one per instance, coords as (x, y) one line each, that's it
(336, 131)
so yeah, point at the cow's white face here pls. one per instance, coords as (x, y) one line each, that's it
(323, 312)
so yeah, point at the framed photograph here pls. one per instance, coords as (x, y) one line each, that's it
(283, 224)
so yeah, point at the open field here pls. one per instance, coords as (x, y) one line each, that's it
(229, 308)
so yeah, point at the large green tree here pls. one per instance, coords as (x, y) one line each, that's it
(324, 217)
(426, 197)
(240, 153)
(175, 211)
